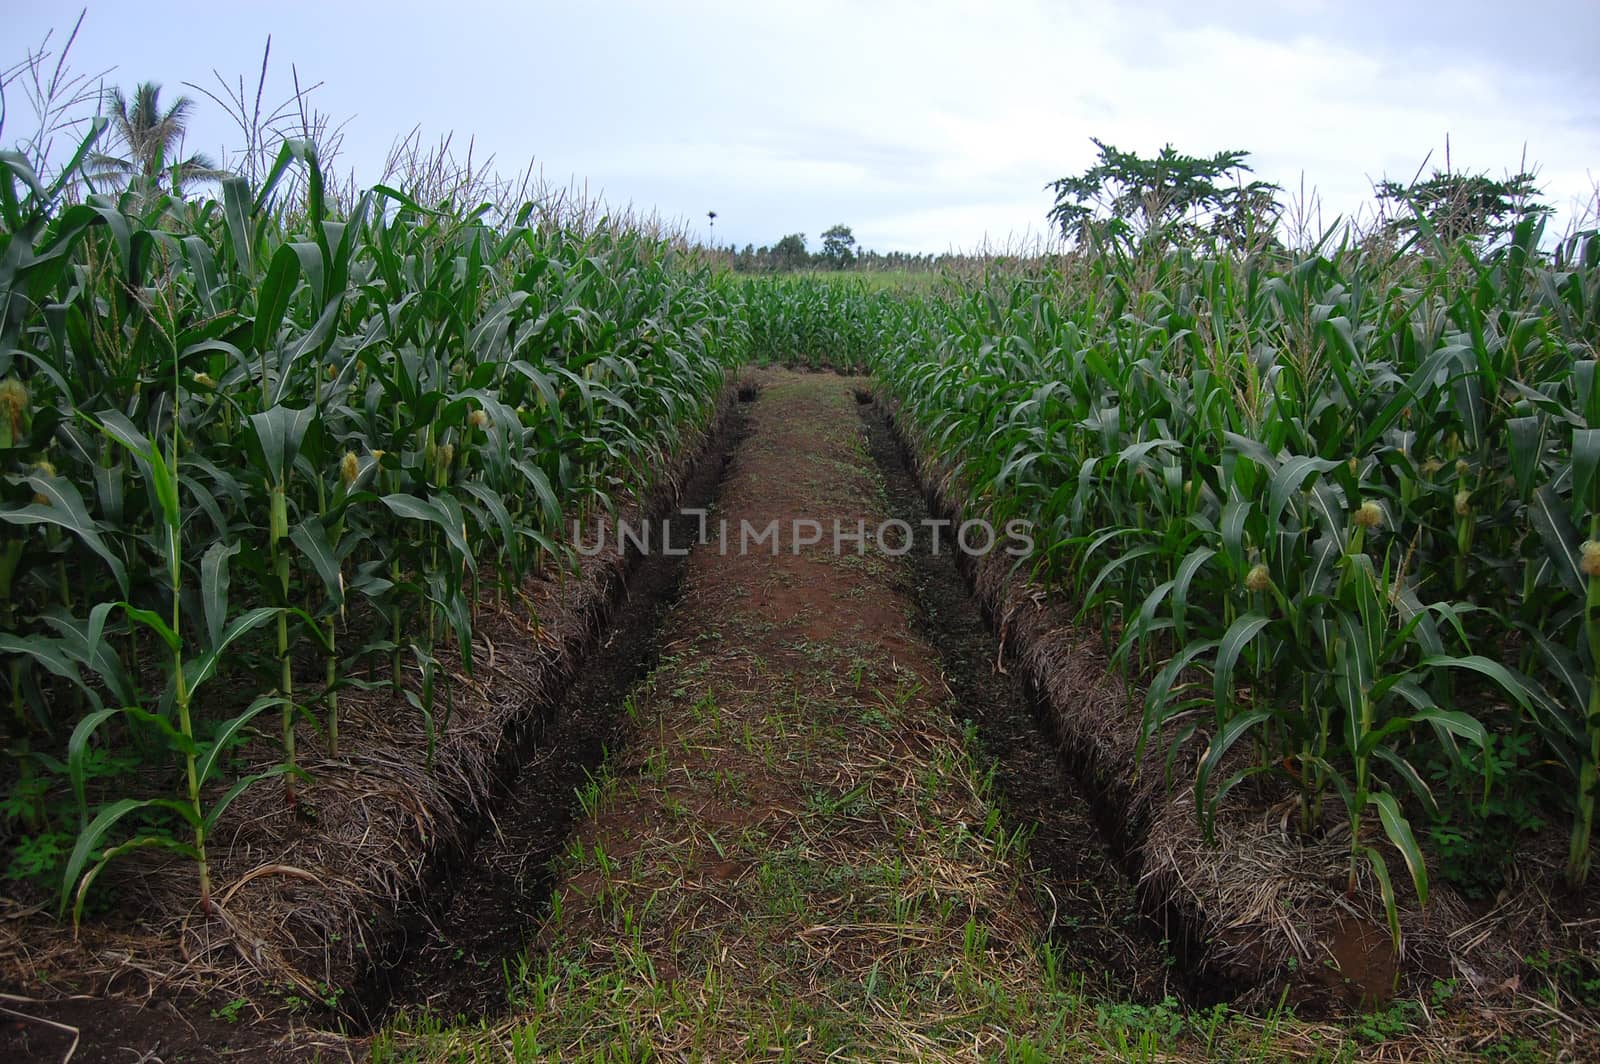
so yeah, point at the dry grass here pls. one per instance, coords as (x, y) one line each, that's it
(797, 856)
(1266, 904)
(308, 902)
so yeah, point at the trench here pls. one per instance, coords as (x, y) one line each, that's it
(1084, 864)
(480, 928)
(482, 917)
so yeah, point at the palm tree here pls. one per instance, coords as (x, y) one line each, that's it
(150, 138)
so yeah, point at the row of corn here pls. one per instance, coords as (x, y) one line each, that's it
(257, 454)
(1337, 510)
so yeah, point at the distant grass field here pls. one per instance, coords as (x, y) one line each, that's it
(870, 280)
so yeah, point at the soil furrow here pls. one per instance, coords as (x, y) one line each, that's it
(1096, 918)
(501, 891)
(800, 850)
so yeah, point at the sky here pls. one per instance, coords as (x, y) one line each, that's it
(925, 127)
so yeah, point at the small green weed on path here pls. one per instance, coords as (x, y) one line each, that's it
(794, 858)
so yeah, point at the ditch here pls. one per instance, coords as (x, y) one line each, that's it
(1077, 846)
(466, 954)
(494, 897)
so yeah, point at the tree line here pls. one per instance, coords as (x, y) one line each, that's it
(1131, 201)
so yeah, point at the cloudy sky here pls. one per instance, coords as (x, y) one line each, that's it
(925, 126)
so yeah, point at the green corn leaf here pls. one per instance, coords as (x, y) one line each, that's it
(1329, 505)
(1561, 539)
(214, 587)
(310, 537)
(494, 505)
(1287, 480)
(1391, 908)
(92, 835)
(1419, 618)
(1416, 391)
(244, 783)
(153, 621)
(162, 479)
(1467, 389)
(1410, 776)
(1562, 664)
(1191, 565)
(1504, 678)
(431, 511)
(1252, 449)
(1324, 561)
(279, 433)
(1112, 568)
(236, 210)
(86, 643)
(203, 667)
(65, 509)
(549, 506)
(182, 849)
(1398, 828)
(1352, 671)
(1588, 396)
(53, 654)
(1227, 785)
(1585, 460)
(1527, 447)
(1223, 741)
(1159, 694)
(1238, 636)
(70, 172)
(273, 298)
(213, 751)
(1234, 516)
(77, 754)
(1340, 336)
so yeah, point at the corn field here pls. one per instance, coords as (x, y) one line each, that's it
(834, 322)
(1337, 511)
(256, 454)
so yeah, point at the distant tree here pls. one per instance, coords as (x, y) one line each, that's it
(838, 246)
(1171, 197)
(1461, 206)
(150, 139)
(790, 252)
(1249, 218)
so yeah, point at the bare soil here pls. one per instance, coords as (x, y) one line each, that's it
(1097, 919)
(805, 847)
(799, 804)
(456, 961)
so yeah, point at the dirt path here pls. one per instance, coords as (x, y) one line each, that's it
(798, 854)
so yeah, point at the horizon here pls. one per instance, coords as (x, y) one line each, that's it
(954, 165)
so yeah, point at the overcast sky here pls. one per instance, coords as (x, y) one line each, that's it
(924, 126)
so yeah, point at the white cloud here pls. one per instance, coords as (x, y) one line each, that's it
(922, 125)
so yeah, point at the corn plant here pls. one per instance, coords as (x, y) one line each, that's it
(1325, 505)
(820, 321)
(277, 447)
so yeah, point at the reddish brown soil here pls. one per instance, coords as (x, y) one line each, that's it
(800, 810)
(111, 1030)
(287, 956)
(496, 897)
